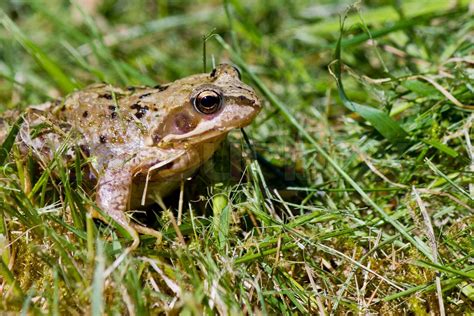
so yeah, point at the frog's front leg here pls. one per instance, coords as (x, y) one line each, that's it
(112, 197)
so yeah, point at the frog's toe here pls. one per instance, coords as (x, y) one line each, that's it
(121, 219)
(148, 231)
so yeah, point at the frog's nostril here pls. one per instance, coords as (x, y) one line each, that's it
(156, 138)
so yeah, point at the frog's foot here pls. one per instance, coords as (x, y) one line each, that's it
(112, 196)
(148, 231)
(124, 222)
(113, 193)
(159, 200)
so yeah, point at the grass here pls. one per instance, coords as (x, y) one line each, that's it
(352, 192)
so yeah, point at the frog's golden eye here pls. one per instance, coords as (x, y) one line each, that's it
(208, 102)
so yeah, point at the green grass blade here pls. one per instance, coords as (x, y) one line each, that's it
(446, 284)
(97, 295)
(432, 166)
(221, 210)
(8, 277)
(156, 26)
(380, 120)
(381, 14)
(442, 147)
(10, 140)
(65, 83)
(442, 268)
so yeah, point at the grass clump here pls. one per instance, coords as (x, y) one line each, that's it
(351, 193)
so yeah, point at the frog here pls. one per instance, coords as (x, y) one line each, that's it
(139, 142)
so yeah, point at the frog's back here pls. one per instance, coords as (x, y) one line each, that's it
(101, 114)
(110, 122)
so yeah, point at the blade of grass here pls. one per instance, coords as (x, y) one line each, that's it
(442, 147)
(8, 277)
(55, 299)
(382, 14)
(51, 67)
(155, 26)
(447, 284)
(221, 210)
(10, 140)
(80, 60)
(60, 22)
(380, 32)
(28, 303)
(100, 49)
(255, 256)
(97, 298)
(445, 177)
(442, 268)
(380, 120)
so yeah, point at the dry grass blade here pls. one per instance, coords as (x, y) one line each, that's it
(434, 247)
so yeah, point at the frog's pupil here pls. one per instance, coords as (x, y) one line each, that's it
(209, 101)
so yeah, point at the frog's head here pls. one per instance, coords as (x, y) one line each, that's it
(206, 107)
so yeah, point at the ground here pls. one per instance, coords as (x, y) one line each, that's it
(353, 194)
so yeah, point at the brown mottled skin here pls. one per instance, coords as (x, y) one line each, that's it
(140, 141)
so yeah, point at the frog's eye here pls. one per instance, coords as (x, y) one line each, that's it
(208, 102)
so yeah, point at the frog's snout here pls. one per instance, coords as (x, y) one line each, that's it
(250, 98)
(256, 102)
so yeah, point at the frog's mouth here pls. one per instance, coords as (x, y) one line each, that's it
(213, 129)
(197, 136)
